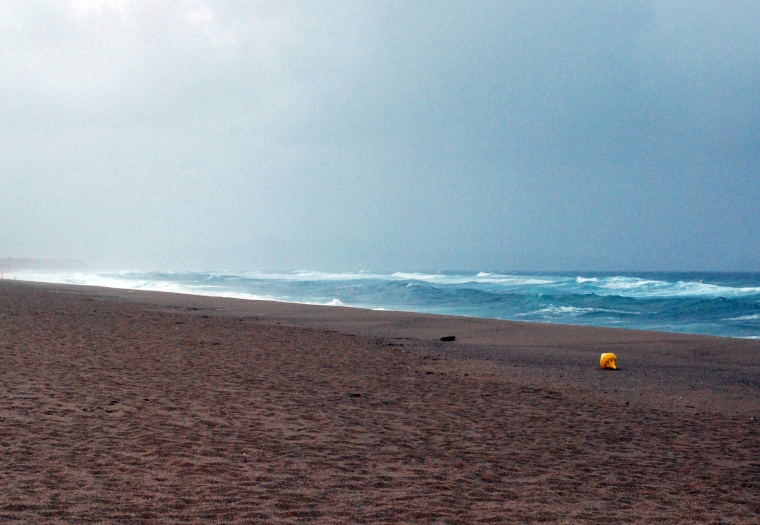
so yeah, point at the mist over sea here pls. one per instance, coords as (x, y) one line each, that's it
(723, 304)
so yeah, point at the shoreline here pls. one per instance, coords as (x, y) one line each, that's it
(129, 293)
(149, 407)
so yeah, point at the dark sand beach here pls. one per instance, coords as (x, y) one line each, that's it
(142, 407)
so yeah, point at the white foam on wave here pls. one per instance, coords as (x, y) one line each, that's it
(518, 281)
(559, 311)
(647, 288)
(573, 311)
(436, 277)
(692, 289)
(331, 302)
(304, 275)
(715, 290)
(238, 295)
(505, 279)
(480, 278)
(94, 279)
(752, 317)
(581, 280)
(631, 283)
(152, 285)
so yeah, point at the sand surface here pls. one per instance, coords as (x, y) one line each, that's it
(138, 407)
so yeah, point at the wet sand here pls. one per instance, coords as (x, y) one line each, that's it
(140, 407)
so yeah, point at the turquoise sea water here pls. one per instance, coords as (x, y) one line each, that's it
(724, 304)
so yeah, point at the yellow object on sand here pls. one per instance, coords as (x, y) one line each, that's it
(608, 360)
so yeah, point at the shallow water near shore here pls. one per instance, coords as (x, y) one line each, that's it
(722, 304)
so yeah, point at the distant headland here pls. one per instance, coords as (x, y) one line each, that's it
(9, 264)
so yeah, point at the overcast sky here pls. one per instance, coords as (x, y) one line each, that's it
(403, 135)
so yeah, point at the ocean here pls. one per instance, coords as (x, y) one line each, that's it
(722, 304)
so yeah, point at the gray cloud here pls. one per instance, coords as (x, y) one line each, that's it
(389, 135)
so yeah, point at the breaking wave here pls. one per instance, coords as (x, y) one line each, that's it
(714, 303)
